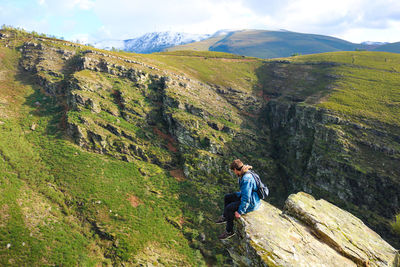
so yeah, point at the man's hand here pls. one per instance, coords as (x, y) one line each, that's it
(237, 214)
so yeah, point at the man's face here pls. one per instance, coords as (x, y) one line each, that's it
(237, 172)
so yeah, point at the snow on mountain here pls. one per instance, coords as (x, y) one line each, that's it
(374, 43)
(158, 41)
(110, 44)
(151, 42)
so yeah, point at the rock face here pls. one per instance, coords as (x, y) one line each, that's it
(307, 232)
(328, 156)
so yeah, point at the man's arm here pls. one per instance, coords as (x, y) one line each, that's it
(245, 190)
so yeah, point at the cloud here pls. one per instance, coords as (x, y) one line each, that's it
(82, 38)
(328, 17)
(123, 19)
(128, 19)
(82, 4)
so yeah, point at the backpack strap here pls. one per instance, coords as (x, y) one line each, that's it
(255, 180)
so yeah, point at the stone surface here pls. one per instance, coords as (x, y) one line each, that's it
(307, 233)
(341, 230)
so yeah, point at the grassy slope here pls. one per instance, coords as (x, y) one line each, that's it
(364, 84)
(203, 45)
(212, 67)
(366, 87)
(52, 191)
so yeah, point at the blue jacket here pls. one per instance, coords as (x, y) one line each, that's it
(248, 193)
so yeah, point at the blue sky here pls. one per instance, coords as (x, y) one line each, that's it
(94, 20)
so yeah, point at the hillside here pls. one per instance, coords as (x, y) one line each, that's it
(121, 158)
(270, 44)
(391, 47)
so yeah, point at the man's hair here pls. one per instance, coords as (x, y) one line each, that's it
(236, 164)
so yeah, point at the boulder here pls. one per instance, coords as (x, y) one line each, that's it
(341, 230)
(307, 233)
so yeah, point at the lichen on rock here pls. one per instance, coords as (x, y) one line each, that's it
(307, 232)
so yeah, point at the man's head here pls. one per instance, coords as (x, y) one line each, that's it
(236, 166)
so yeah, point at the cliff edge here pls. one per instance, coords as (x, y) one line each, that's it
(308, 232)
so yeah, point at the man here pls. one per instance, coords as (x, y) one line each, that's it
(239, 203)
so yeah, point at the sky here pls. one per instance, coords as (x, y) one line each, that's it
(90, 21)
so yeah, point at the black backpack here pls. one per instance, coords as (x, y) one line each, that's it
(262, 189)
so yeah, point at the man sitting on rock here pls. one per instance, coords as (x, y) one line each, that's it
(239, 203)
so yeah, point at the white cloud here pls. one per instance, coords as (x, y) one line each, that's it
(360, 34)
(82, 38)
(126, 19)
(354, 20)
(82, 4)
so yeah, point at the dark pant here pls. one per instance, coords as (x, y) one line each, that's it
(231, 204)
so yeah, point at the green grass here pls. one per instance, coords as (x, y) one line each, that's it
(203, 54)
(396, 224)
(203, 45)
(53, 192)
(366, 87)
(210, 67)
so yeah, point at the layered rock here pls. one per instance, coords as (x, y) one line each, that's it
(307, 232)
(330, 156)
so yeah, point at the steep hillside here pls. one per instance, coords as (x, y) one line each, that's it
(391, 47)
(270, 44)
(122, 158)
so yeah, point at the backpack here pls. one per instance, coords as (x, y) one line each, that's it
(262, 190)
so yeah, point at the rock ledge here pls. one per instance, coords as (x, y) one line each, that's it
(308, 232)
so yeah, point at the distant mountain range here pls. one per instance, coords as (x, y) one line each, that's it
(389, 47)
(254, 43)
(152, 42)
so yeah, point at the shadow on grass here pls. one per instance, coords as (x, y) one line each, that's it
(44, 104)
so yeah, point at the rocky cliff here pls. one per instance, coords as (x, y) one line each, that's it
(307, 232)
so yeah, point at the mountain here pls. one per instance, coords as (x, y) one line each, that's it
(373, 43)
(114, 158)
(370, 46)
(389, 47)
(270, 44)
(151, 42)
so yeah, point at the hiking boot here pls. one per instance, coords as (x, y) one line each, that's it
(226, 235)
(220, 220)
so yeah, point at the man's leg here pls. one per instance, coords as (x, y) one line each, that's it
(229, 198)
(229, 214)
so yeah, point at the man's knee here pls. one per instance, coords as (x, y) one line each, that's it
(226, 197)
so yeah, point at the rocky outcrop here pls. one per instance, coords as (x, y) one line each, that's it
(307, 232)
